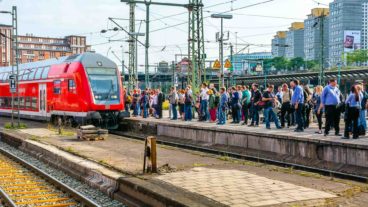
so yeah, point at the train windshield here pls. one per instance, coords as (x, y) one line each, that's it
(105, 85)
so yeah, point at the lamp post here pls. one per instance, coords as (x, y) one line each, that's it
(14, 38)
(136, 35)
(221, 41)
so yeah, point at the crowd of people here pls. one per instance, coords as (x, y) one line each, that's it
(288, 105)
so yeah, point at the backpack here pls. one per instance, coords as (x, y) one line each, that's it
(188, 99)
(217, 100)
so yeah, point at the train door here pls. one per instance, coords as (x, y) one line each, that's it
(42, 98)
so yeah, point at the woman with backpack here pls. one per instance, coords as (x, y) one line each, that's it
(188, 101)
(213, 103)
(181, 98)
(316, 98)
(286, 109)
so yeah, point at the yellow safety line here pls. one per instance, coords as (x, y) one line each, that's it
(42, 201)
(21, 184)
(34, 187)
(60, 205)
(37, 196)
(27, 192)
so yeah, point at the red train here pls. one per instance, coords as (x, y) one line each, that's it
(79, 88)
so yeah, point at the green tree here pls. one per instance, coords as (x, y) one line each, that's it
(280, 63)
(296, 63)
(357, 57)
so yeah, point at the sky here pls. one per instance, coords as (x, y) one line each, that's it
(252, 24)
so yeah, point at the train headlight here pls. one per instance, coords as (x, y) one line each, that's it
(98, 97)
(114, 96)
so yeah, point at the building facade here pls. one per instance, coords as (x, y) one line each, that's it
(315, 29)
(278, 44)
(345, 16)
(365, 24)
(35, 48)
(5, 45)
(243, 63)
(295, 41)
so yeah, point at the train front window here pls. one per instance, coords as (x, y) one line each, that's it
(104, 83)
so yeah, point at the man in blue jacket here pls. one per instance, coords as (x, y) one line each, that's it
(330, 99)
(297, 101)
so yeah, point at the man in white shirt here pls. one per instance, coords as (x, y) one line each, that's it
(205, 115)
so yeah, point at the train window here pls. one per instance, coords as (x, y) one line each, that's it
(1, 77)
(28, 103)
(34, 103)
(57, 87)
(71, 86)
(32, 74)
(2, 102)
(15, 102)
(21, 102)
(38, 74)
(45, 72)
(5, 78)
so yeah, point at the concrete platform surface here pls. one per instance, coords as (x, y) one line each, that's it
(308, 134)
(215, 180)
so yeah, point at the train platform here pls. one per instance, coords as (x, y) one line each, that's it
(306, 148)
(185, 178)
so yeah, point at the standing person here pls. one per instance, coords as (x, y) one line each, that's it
(316, 98)
(330, 99)
(308, 105)
(353, 104)
(270, 102)
(297, 101)
(204, 103)
(240, 93)
(188, 104)
(212, 105)
(246, 103)
(160, 100)
(181, 98)
(222, 107)
(144, 104)
(279, 94)
(256, 98)
(235, 105)
(174, 103)
(154, 103)
(362, 123)
(135, 103)
(286, 108)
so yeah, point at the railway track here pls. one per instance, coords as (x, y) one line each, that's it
(214, 151)
(22, 184)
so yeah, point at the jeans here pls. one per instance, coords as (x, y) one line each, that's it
(352, 121)
(269, 113)
(204, 110)
(299, 117)
(245, 113)
(286, 111)
(255, 118)
(319, 119)
(221, 116)
(145, 111)
(235, 113)
(361, 120)
(174, 111)
(188, 112)
(332, 118)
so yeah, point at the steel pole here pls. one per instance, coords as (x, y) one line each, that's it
(147, 45)
(16, 56)
(222, 52)
(13, 54)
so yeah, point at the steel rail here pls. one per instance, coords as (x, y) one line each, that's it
(321, 171)
(6, 199)
(74, 194)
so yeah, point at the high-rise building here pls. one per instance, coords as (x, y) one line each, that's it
(365, 25)
(315, 28)
(294, 43)
(5, 45)
(35, 48)
(345, 27)
(278, 44)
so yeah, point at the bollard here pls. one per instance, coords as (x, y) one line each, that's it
(59, 125)
(150, 152)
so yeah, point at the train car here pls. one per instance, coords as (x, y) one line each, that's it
(80, 89)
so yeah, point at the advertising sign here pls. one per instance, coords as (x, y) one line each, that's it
(352, 40)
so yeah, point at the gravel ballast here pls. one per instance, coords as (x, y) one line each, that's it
(93, 194)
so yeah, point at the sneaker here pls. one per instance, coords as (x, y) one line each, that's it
(338, 134)
(251, 125)
(344, 137)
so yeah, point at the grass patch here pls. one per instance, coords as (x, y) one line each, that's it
(71, 150)
(35, 138)
(103, 162)
(15, 126)
(64, 132)
(199, 165)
